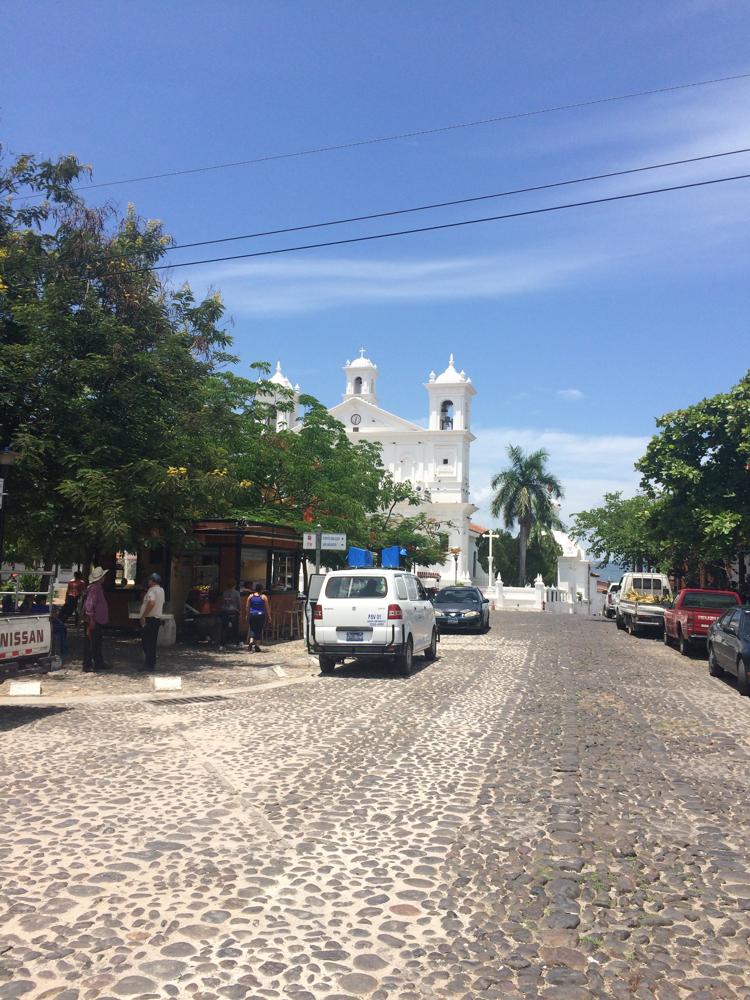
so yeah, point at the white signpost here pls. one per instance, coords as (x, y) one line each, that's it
(323, 541)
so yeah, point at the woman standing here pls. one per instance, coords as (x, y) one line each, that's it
(258, 612)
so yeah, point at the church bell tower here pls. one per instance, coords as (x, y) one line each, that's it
(361, 376)
(450, 399)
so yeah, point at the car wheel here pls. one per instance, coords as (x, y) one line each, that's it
(619, 622)
(487, 623)
(743, 684)
(667, 638)
(631, 627)
(713, 666)
(405, 661)
(431, 652)
(684, 645)
(327, 664)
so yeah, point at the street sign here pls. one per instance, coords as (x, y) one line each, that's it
(329, 541)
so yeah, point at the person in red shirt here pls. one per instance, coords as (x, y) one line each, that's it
(76, 587)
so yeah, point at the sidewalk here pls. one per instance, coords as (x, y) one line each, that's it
(201, 668)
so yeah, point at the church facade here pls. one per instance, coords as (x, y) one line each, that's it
(435, 459)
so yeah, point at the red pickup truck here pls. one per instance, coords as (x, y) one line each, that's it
(691, 614)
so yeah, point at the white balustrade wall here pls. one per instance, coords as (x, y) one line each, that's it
(557, 600)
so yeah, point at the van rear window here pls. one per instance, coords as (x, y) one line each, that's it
(347, 587)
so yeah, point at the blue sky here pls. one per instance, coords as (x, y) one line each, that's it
(578, 328)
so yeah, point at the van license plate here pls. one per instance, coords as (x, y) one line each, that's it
(355, 636)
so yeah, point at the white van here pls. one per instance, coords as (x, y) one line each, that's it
(372, 612)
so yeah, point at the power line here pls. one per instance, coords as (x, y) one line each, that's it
(444, 225)
(414, 133)
(456, 201)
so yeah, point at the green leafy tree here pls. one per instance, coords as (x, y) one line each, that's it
(390, 523)
(541, 557)
(696, 469)
(620, 530)
(525, 495)
(111, 382)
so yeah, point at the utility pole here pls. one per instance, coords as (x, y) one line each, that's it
(318, 540)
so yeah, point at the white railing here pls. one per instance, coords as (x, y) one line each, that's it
(539, 597)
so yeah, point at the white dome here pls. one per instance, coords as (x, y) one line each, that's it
(279, 378)
(361, 362)
(450, 375)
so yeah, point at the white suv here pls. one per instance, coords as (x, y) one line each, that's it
(372, 612)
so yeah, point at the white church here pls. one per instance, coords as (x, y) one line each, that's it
(435, 459)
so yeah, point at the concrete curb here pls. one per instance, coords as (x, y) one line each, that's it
(151, 696)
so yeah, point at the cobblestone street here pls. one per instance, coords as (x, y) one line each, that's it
(553, 809)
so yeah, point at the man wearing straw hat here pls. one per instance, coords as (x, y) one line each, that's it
(97, 615)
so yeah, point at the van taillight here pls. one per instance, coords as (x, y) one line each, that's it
(394, 612)
(318, 612)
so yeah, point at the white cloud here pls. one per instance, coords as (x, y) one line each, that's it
(670, 232)
(306, 284)
(589, 465)
(570, 394)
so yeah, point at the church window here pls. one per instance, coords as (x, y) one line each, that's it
(446, 415)
(445, 461)
(358, 385)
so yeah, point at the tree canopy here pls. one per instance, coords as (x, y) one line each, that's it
(696, 469)
(693, 512)
(541, 557)
(619, 531)
(123, 400)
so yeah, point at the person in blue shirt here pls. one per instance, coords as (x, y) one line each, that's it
(258, 612)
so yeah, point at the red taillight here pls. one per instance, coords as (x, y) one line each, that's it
(395, 613)
(318, 612)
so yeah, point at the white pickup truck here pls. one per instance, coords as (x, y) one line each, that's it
(643, 597)
(24, 638)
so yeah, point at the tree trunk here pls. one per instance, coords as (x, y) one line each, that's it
(523, 532)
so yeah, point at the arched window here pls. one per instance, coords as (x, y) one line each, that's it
(446, 415)
(358, 385)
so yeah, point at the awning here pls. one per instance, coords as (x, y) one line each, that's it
(428, 574)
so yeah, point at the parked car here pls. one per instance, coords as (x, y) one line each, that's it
(464, 608)
(611, 599)
(366, 613)
(729, 647)
(689, 617)
(641, 603)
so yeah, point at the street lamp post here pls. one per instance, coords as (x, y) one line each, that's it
(7, 458)
(455, 552)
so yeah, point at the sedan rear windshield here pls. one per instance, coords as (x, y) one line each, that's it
(346, 587)
(712, 601)
(457, 596)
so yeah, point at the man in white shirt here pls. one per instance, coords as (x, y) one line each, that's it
(151, 612)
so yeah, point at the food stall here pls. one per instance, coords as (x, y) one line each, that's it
(231, 552)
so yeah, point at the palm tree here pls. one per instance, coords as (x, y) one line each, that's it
(525, 493)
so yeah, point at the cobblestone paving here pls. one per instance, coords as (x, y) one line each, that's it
(554, 809)
(201, 667)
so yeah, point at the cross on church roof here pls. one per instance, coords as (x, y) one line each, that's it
(362, 352)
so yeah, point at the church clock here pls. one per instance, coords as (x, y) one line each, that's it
(356, 419)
